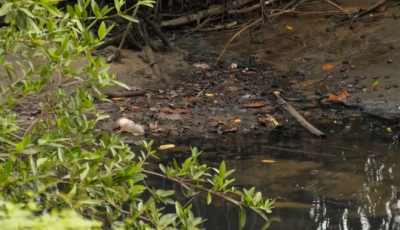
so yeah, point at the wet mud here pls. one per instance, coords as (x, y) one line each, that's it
(201, 97)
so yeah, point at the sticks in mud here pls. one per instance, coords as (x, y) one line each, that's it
(297, 116)
(270, 17)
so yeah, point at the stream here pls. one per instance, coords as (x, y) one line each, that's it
(346, 181)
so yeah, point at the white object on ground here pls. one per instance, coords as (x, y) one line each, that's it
(127, 125)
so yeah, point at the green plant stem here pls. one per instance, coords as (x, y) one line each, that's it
(128, 213)
(187, 185)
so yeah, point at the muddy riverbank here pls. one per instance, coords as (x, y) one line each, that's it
(310, 59)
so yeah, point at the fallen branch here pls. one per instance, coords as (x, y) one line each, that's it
(251, 8)
(152, 61)
(370, 8)
(298, 117)
(124, 94)
(202, 14)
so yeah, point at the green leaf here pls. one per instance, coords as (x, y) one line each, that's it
(242, 218)
(27, 12)
(222, 170)
(96, 10)
(117, 6)
(186, 165)
(40, 161)
(30, 151)
(102, 31)
(375, 83)
(19, 147)
(5, 8)
(208, 198)
(163, 169)
(147, 3)
(130, 18)
(70, 11)
(120, 84)
(260, 213)
(91, 202)
(54, 11)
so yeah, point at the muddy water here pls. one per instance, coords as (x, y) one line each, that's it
(316, 187)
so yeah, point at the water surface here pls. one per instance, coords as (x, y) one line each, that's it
(346, 181)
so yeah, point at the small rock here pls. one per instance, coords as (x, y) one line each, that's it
(345, 76)
(356, 77)
(395, 86)
(392, 47)
(362, 36)
(387, 87)
(390, 61)
(352, 66)
(342, 69)
(380, 95)
(387, 77)
(358, 100)
(376, 77)
(363, 77)
(349, 85)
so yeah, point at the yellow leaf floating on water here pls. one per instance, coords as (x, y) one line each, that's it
(169, 146)
(289, 28)
(268, 161)
(389, 129)
(237, 120)
(209, 95)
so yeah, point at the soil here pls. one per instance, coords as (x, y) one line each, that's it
(202, 98)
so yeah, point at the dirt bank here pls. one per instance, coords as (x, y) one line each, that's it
(203, 98)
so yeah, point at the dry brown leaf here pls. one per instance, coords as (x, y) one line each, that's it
(175, 111)
(377, 88)
(237, 120)
(254, 105)
(329, 67)
(232, 88)
(118, 98)
(339, 96)
(351, 10)
(135, 107)
(201, 65)
(381, 9)
(169, 146)
(209, 95)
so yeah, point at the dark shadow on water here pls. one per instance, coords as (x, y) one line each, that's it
(347, 181)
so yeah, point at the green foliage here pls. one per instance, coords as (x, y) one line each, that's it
(21, 216)
(60, 159)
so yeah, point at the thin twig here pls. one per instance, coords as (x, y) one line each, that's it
(312, 153)
(202, 90)
(339, 8)
(271, 17)
(185, 184)
(15, 136)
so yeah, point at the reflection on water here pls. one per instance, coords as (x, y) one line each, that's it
(318, 190)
